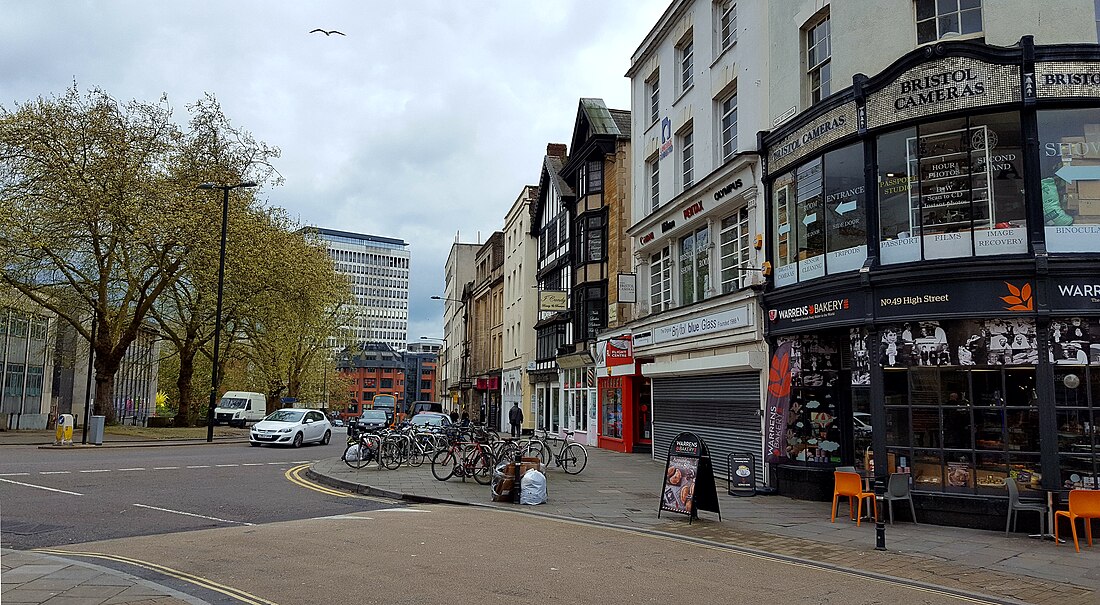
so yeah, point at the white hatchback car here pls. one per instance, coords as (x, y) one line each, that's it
(291, 427)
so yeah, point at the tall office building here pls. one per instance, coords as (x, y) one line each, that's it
(378, 269)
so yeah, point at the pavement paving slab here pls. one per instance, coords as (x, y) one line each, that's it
(622, 490)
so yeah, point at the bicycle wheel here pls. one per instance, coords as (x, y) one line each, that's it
(537, 449)
(389, 455)
(573, 458)
(418, 451)
(507, 452)
(478, 463)
(443, 464)
(355, 456)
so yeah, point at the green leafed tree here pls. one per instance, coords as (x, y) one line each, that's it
(98, 211)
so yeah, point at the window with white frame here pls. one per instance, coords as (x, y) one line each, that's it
(727, 118)
(654, 172)
(653, 93)
(727, 24)
(687, 158)
(734, 243)
(694, 266)
(818, 52)
(660, 280)
(686, 53)
(939, 18)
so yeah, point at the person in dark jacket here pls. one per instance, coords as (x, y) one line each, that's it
(515, 418)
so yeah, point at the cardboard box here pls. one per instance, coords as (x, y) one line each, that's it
(503, 493)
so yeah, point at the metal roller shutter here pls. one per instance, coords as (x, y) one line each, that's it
(723, 409)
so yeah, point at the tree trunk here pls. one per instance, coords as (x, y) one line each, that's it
(184, 386)
(104, 394)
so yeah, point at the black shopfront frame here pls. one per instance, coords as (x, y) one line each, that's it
(965, 288)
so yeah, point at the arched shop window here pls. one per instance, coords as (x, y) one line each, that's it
(952, 189)
(819, 214)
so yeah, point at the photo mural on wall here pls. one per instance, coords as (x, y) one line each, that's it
(813, 435)
(997, 342)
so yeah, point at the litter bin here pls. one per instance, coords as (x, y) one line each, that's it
(95, 430)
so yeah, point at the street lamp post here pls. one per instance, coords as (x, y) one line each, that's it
(218, 312)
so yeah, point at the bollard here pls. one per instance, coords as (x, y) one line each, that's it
(64, 434)
(516, 477)
(880, 524)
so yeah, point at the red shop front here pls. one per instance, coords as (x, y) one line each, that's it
(625, 418)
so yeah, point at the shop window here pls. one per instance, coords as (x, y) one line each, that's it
(653, 93)
(694, 266)
(685, 52)
(962, 396)
(591, 309)
(653, 169)
(783, 208)
(845, 210)
(591, 235)
(734, 248)
(952, 189)
(613, 412)
(814, 434)
(1069, 159)
(809, 221)
(660, 281)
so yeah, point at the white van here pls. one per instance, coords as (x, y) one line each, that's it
(239, 408)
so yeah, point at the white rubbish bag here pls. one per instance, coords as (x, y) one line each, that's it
(352, 454)
(533, 488)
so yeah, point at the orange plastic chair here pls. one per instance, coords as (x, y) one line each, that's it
(1083, 504)
(850, 485)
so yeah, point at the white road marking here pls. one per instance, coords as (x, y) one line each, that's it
(165, 468)
(136, 468)
(180, 512)
(346, 518)
(252, 464)
(49, 489)
(53, 473)
(223, 465)
(14, 474)
(98, 470)
(199, 466)
(400, 510)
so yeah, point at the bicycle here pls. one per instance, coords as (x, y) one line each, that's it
(367, 447)
(572, 457)
(463, 459)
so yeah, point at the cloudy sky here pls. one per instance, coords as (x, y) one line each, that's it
(422, 123)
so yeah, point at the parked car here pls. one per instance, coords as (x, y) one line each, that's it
(425, 406)
(861, 421)
(431, 419)
(337, 422)
(373, 419)
(289, 426)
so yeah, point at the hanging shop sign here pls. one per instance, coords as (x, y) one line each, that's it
(666, 138)
(935, 87)
(1075, 294)
(628, 287)
(553, 300)
(738, 317)
(689, 478)
(822, 312)
(955, 298)
(777, 404)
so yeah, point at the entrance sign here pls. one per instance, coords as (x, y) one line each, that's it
(689, 478)
(742, 474)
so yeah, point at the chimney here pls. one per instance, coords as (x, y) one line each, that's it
(556, 150)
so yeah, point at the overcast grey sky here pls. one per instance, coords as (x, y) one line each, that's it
(422, 123)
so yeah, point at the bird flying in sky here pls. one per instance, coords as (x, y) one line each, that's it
(327, 32)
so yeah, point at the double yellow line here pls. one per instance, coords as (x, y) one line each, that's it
(240, 595)
(294, 475)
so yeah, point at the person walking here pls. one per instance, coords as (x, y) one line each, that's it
(515, 418)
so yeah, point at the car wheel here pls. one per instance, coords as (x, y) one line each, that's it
(298, 440)
(325, 439)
